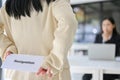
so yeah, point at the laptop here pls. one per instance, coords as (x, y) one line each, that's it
(101, 51)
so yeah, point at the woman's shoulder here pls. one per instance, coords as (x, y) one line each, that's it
(2, 8)
(99, 35)
(116, 37)
(3, 12)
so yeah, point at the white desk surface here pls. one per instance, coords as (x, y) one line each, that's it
(82, 62)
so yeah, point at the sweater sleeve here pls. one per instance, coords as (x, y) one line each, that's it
(6, 44)
(63, 35)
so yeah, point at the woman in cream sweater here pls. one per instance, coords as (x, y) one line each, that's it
(38, 27)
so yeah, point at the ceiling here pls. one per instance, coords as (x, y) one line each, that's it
(108, 6)
(73, 2)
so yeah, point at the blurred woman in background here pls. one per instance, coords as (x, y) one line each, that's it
(108, 35)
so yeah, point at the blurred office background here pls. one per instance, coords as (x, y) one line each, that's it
(89, 14)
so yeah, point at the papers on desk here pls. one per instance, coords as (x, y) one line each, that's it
(22, 62)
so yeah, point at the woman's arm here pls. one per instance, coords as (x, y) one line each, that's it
(6, 44)
(63, 36)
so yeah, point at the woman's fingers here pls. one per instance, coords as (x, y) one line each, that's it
(41, 71)
(7, 54)
(49, 72)
(44, 72)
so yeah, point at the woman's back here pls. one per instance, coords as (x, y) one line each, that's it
(34, 34)
(48, 32)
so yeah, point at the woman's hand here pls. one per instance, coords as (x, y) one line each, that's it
(7, 53)
(106, 37)
(43, 72)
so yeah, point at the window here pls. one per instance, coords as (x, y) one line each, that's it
(89, 16)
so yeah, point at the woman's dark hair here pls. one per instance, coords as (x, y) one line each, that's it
(18, 8)
(112, 21)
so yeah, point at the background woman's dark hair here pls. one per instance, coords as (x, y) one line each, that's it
(112, 21)
(18, 8)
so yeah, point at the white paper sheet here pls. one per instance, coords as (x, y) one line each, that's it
(22, 62)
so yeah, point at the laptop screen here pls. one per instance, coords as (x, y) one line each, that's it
(101, 51)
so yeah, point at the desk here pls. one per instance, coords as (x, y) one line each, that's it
(109, 67)
(81, 64)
